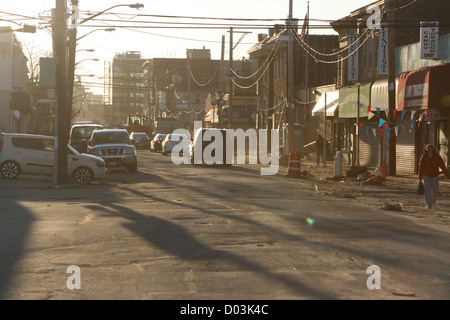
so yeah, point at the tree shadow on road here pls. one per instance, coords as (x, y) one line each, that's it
(175, 240)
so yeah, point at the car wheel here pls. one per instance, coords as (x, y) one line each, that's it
(132, 168)
(83, 175)
(10, 169)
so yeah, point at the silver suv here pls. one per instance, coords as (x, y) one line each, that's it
(115, 147)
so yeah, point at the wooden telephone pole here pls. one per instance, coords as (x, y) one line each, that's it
(59, 44)
(391, 86)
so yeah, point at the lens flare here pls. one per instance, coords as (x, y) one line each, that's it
(310, 221)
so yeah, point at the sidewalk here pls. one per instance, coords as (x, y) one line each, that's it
(397, 194)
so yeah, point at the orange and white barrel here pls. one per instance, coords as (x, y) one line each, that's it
(294, 164)
(380, 174)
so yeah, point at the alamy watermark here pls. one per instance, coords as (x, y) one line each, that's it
(374, 281)
(74, 280)
(213, 151)
(374, 20)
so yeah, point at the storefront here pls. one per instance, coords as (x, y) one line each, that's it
(353, 106)
(425, 95)
(325, 110)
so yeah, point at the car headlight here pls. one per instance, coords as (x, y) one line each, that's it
(98, 162)
(131, 150)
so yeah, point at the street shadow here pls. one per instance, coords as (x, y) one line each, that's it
(177, 241)
(15, 223)
(123, 176)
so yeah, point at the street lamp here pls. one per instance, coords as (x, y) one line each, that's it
(26, 28)
(133, 6)
(83, 75)
(107, 29)
(87, 50)
(86, 60)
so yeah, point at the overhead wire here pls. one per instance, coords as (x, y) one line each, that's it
(260, 77)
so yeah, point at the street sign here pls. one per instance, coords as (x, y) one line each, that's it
(429, 43)
(433, 115)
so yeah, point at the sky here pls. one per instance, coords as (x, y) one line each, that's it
(184, 25)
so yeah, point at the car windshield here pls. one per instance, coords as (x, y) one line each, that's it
(105, 137)
(72, 150)
(139, 135)
(160, 136)
(82, 132)
(176, 137)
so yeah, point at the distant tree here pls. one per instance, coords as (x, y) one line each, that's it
(33, 55)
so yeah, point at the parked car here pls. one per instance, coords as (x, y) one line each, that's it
(115, 147)
(35, 155)
(156, 142)
(80, 135)
(199, 144)
(140, 139)
(171, 140)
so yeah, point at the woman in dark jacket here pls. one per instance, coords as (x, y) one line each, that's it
(429, 165)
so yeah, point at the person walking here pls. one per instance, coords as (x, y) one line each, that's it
(429, 165)
(319, 149)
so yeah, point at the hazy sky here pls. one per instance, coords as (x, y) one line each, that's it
(157, 37)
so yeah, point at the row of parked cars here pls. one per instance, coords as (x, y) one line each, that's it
(92, 150)
(163, 143)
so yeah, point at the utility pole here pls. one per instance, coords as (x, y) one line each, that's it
(222, 57)
(221, 82)
(291, 110)
(230, 90)
(324, 154)
(59, 27)
(357, 124)
(391, 87)
(189, 55)
(307, 98)
(71, 62)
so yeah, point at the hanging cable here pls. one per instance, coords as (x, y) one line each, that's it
(259, 78)
(274, 50)
(300, 41)
(202, 84)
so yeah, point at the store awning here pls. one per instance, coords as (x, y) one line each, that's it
(348, 101)
(332, 99)
(379, 95)
(424, 88)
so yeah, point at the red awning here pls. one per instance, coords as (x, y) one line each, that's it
(423, 88)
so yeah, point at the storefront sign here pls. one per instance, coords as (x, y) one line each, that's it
(383, 51)
(353, 60)
(433, 115)
(429, 43)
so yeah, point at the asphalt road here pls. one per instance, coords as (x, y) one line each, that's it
(203, 232)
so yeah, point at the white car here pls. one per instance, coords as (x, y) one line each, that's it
(171, 140)
(35, 155)
(199, 144)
